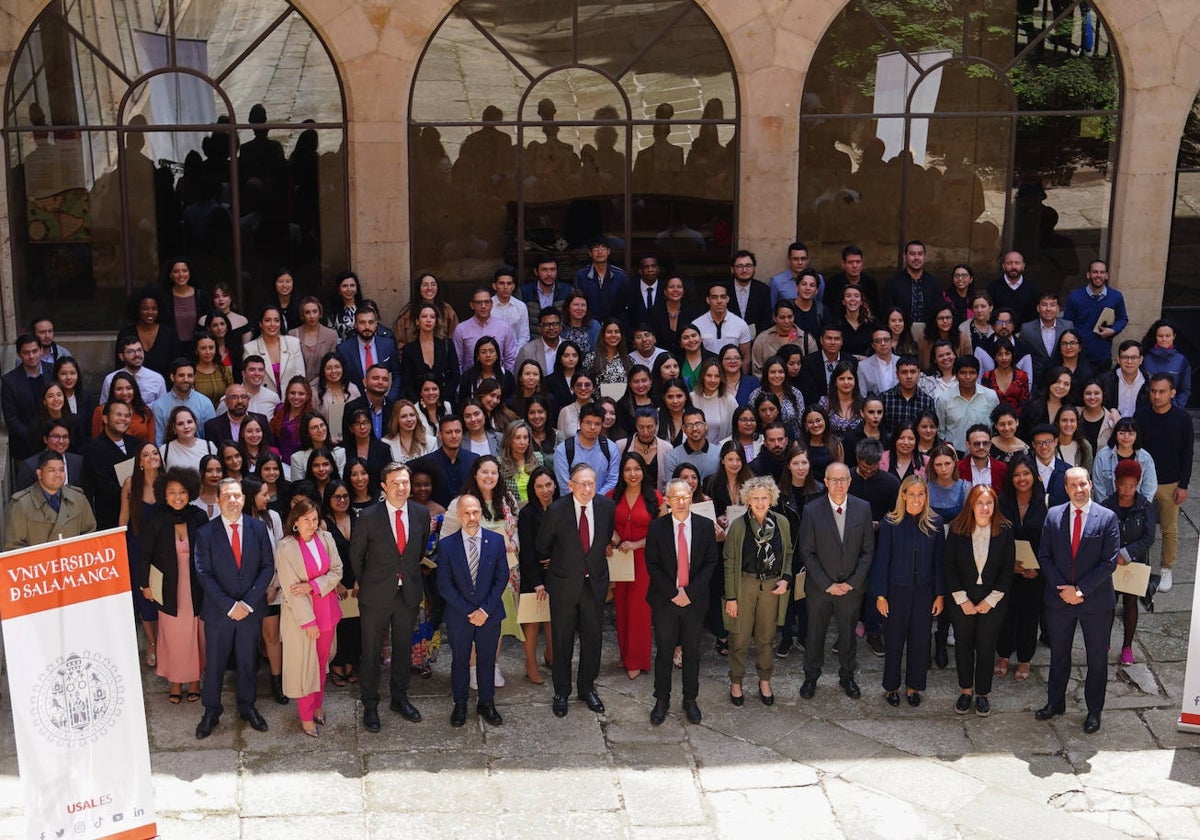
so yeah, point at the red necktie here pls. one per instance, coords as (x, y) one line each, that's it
(236, 543)
(401, 542)
(681, 558)
(1076, 535)
(585, 537)
(369, 359)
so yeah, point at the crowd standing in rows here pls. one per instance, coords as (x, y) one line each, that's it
(911, 461)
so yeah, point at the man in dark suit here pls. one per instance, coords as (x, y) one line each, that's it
(111, 447)
(1078, 553)
(681, 555)
(385, 553)
(817, 367)
(228, 424)
(575, 535)
(1040, 336)
(837, 541)
(471, 575)
(20, 393)
(364, 349)
(376, 400)
(234, 563)
(56, 436)
(749, 298)
(1052, 470)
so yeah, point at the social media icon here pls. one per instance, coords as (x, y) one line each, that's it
(117, 817)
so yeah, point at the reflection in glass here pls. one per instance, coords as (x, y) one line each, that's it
(538, 34)
(1183, 259)
(462, 74)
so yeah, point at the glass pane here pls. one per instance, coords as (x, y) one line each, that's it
(176, 99)
(686, 224)
(1183, 264)
(1061, 207)
(959, 87)
(921, 25)
(213, 33)
(687, 67)
(536, 33)
(571, 95)
(841, 76)
(462, 75)
(617, 32)
(109, 26)
(65, 215)
(1189, 143)
(1080, 74)
(463, 211)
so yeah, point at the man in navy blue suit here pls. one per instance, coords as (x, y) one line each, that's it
(366, 348)
(234, 563)
(471, 574)
(1078, 553)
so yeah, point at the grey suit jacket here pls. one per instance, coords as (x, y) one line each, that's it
(831, 559)
(1031, 337)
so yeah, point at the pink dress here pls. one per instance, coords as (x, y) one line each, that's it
(180, 636)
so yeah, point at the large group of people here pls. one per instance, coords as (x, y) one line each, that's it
(332, 494)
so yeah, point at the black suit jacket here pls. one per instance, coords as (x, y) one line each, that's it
(100, 482)
(758, 307)
(27, 471)
(21, 411)
(376, 562)
(961, 573)
(813, 382)
(413, 368)
(661, 562)
(217, 429)
(570, 566)
(830, 559)
(364, 402)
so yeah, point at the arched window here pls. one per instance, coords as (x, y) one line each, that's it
(974, 125)
(140, 131)
(1183, 260)
(538, 126)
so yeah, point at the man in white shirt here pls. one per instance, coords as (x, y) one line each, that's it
(645, 349)
(183, 377)
(877, 372)
(150, 382)
(510, 309)
(262, 399)
(961, 408)
(1127, 386)
(718, 326)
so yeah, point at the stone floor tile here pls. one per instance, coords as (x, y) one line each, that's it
(194, 826)
(1012, 732)
(307, 827)
(551, 823)
(196, 780)
(530, 784)
(943, 736)
(726, 764)
(867, 815)
(765, 813)
(393, 778)
(466, 822)
(661, 796)
(534, 730)
(294, 784)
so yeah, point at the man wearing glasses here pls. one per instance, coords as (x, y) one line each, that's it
(542, 348)
(1040, 335)
(750, 299)
(482, 323)
(978, 467)
(1051, 469)
(877, 372)
(1003, 327)
(695, 449)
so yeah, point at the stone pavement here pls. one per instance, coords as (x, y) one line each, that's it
(826, 768)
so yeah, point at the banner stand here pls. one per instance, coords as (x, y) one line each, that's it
(1189, 713)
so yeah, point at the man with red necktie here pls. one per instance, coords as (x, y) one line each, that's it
(1078, 553)
(681, 555)
(385, 552)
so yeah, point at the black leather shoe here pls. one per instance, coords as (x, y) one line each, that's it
(488, 712)
(406, 710)
(559, 705)
(255, 720)
(371, 719)
(851, 688)
(785, 647)
(963, 704)
(914, 699)
(659, 713)
(593, 701)
(458, 716)
(1092, 724)
(1050, 710)
(941, 657)
(983, 706)
(767, 699)
(206, 725)
(736, 699)
(693, 712)
(277, 690)
(808, 688)
(892, 698)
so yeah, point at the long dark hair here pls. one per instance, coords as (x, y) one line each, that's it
(647, 494)
(502, 499)
(137, 403)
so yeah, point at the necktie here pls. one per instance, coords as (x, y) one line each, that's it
(841, 523)
(368, 358)
(473, 558)
(649, 298)
(1076, 535)
(236, 544)
(585, 537)
(718, 326)
(401, 537)
(681, 558)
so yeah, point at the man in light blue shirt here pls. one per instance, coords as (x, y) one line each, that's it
(183, 376)
(783, 284)
(588, 447)
(961, 408)
(696, 448)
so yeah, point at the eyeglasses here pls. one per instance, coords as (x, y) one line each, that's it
(1070, 343)
(1129, 358)
(829, 480)
(1044, 442)
(340, 497)
(695, 424)
(487, 302)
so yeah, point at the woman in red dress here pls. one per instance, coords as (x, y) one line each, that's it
(637, 502)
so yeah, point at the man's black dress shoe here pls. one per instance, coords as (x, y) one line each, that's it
(1092, 724)
(255, 720)
(371, 719)
(692, 711)
(851, 688)
(914, 699)
(1050, 710)
(659, 713)
(593, 701)
(808, 688)
(559, 706)
(405, 709)
(206, 725)
(458, 716)
(488, 712)
(983, 706)
(893, 698)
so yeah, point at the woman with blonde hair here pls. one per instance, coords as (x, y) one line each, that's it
(309, 568)
(758, 576)
(908, 577)
(406, 434)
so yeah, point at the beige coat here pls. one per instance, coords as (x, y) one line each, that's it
(301, 671)
(31, 521)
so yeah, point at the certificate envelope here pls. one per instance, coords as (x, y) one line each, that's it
(1026, 556)
(1132, 578)
(532, 611)
(349, 606)
(705, 509)
(798, 586)
(1107, 319)
(732, 512)
(614, 390)
(620, 566)
(124, 470)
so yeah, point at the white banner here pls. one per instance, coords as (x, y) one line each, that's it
(76, 689)
(1189, 714)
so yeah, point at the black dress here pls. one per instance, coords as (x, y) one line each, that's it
(349, 630)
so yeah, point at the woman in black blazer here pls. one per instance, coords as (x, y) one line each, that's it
(980, 555)
(414, 364)
(543, 490)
